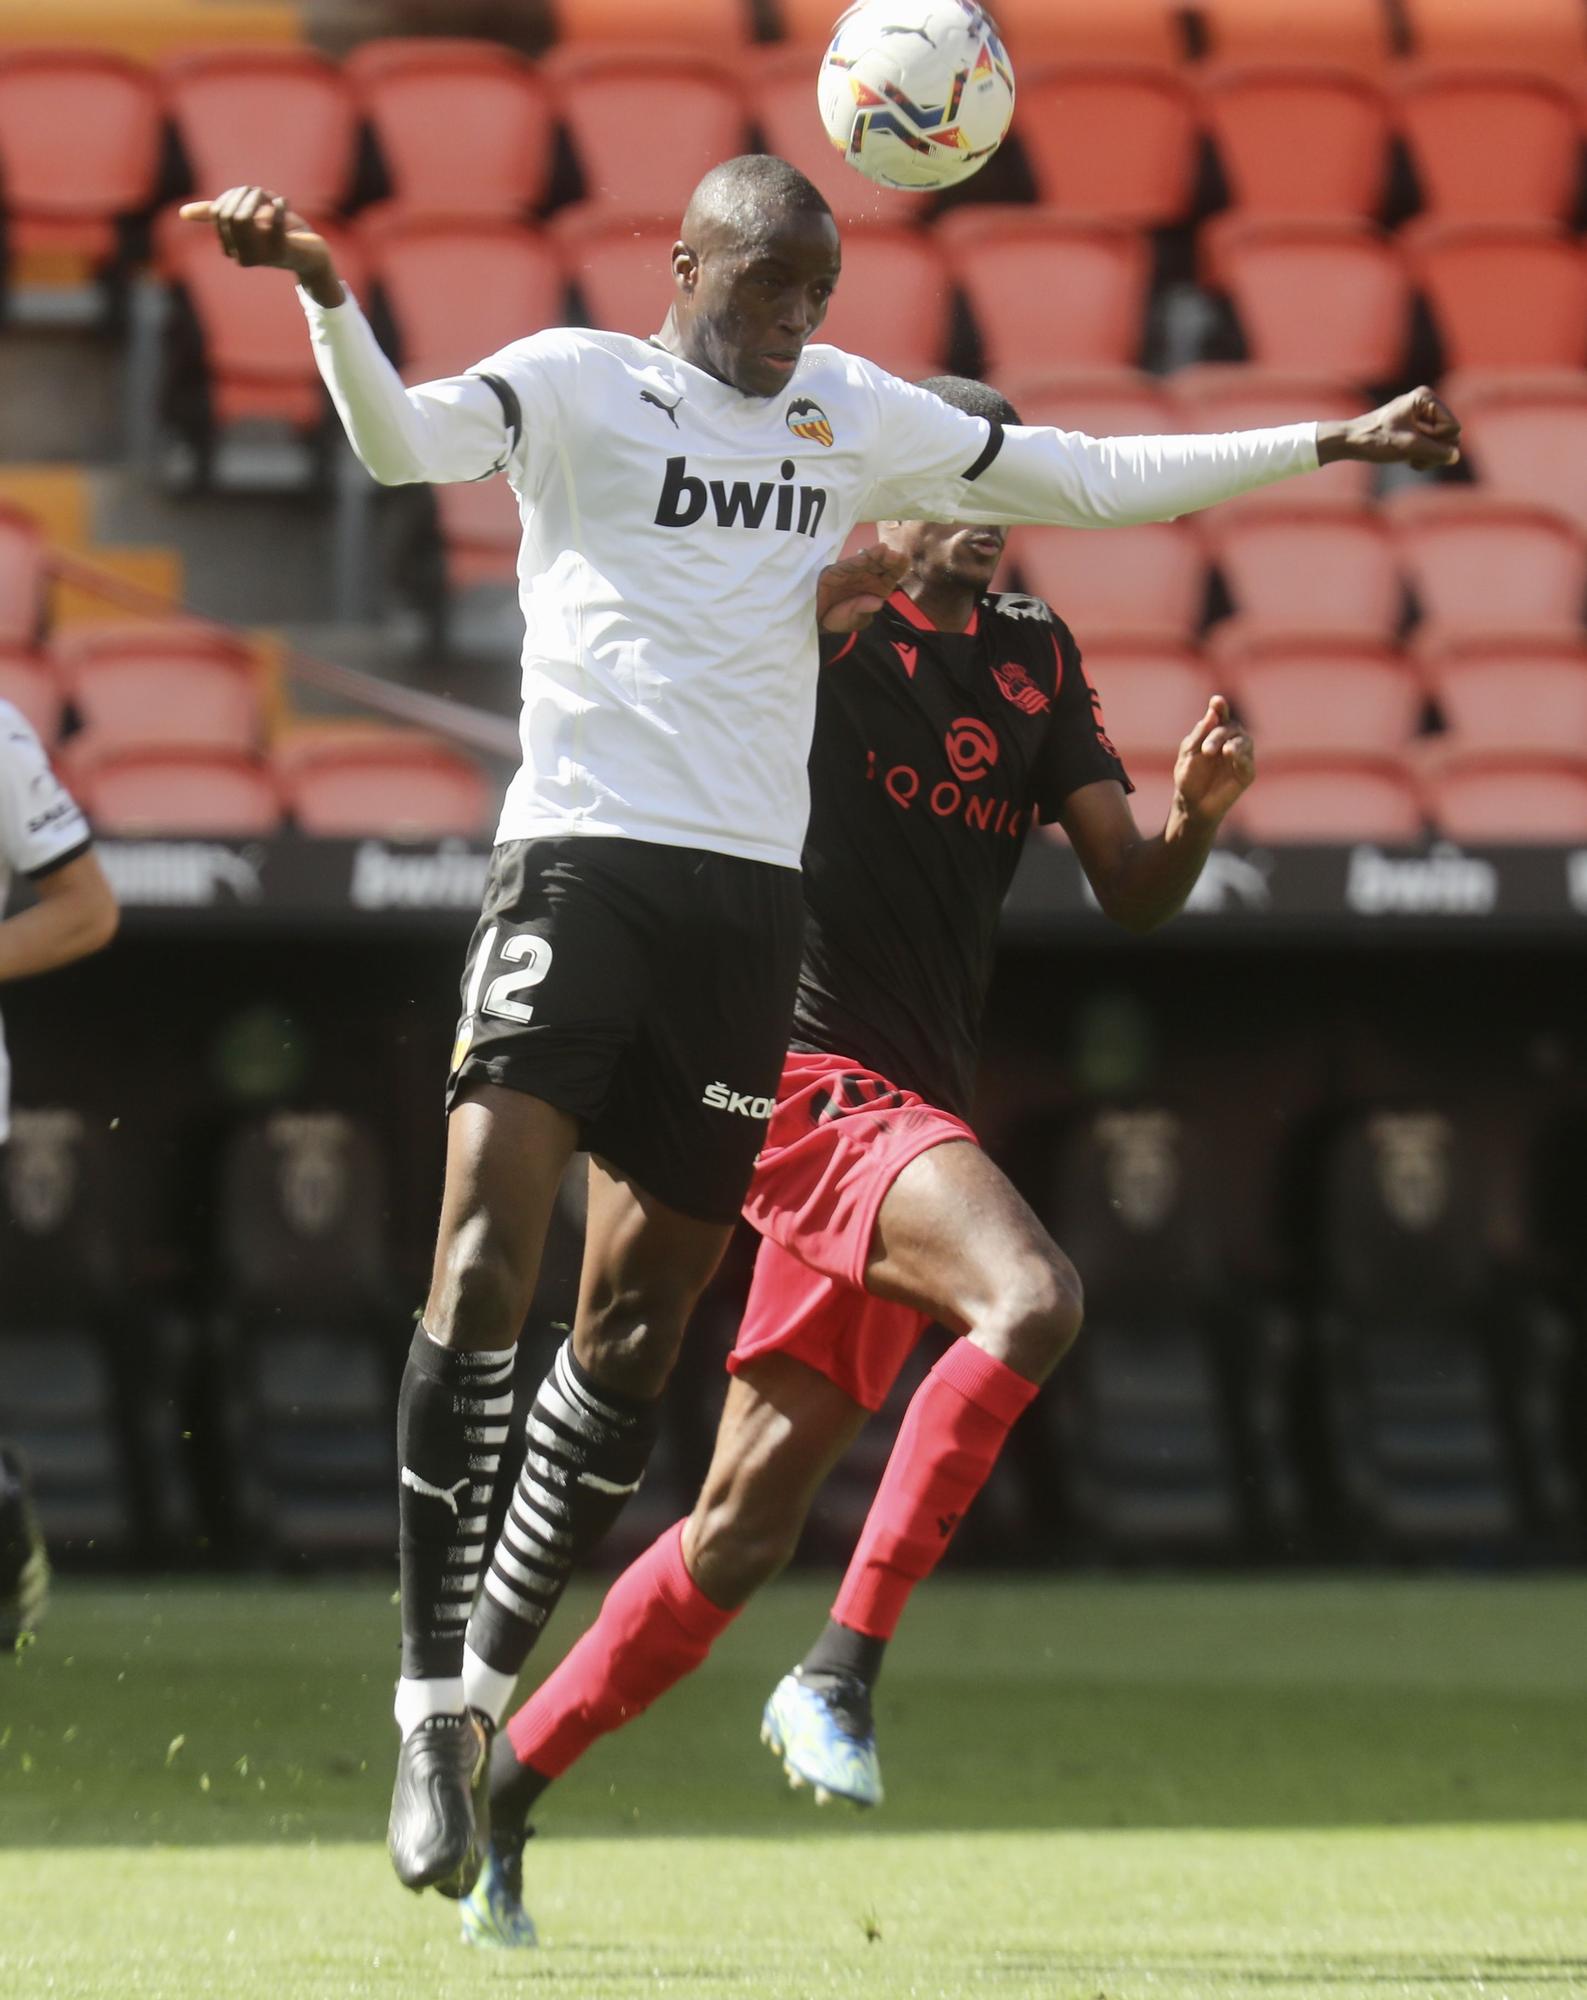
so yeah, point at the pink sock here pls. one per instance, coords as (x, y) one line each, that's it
(947, 1444)
(655, 1626)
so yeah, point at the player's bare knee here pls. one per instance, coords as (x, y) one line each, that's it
(1038, 1315)
(630, 1348)
(732, 1551)
(480, 1296)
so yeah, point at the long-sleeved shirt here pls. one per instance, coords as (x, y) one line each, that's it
(673, 532)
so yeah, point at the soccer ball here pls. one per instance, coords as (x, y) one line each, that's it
(916, 93)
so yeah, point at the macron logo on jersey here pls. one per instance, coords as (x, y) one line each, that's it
(792, 509)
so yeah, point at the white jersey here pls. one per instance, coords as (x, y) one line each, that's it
(673, 532)
(40, 829)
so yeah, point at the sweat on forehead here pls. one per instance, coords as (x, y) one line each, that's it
(749, 200)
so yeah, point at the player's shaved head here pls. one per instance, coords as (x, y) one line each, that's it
(752, 273)
(976, 399)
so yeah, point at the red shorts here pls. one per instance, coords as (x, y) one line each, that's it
(839, 1138)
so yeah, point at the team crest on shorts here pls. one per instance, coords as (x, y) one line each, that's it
(809, 420)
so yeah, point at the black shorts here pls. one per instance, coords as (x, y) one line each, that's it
(645, 990)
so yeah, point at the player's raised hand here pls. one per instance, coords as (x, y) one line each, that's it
(1216, 762)
(255, 226)
(1415, 429)
(851, 592)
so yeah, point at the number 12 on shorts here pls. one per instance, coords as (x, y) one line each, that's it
(530, 955)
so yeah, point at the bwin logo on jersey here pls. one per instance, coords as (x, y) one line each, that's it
(718, 1097)
(792, 509)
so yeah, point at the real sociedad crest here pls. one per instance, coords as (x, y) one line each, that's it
(809, 420)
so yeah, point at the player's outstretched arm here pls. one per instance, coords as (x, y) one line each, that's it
(454, 429)
(1415, 429)
(75, 915)
(1141, 882)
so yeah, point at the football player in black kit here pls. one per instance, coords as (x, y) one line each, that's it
(942, 732)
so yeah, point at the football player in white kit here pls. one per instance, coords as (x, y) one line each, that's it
(44, 837)
(629, 988)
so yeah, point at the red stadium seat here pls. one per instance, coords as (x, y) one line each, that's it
(161, 684)
(1148, 30)
(1148, 582)
(79, 146)
(1311, 571)
(1110, 139)
(1102, 402)
(1049, 292)
(620, 269)
(1515, 694)
(1504, 294)
(1350, 32)
(1526, 436)
(1296, 140)
(1325, 800)
(1328, 700)
(258, 362)
(646, 127)
(460, 287)
(1488, 146)
(708, 24)
(1546, 34)
(279, 118)
(1224, 397)
(1153, 779)
(1479, 564)
(893, 301)
(782, 107)
(30, 684)
(1323, 295)
(21, 577)
(480, 532)
(1483, 796)
(465, 128)
(177, 791)
(1152, 696)
(388, 783)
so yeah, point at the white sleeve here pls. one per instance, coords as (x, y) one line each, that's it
(943, 465)
(462, 427)
(41, 825)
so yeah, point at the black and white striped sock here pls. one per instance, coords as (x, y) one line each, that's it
(452, 1420)
(586, 1456)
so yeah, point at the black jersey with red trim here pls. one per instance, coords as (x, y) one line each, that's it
(932, 752)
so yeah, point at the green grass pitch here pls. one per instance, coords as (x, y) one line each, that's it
(1209, 1790)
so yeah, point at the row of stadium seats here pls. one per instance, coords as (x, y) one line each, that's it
(1418, 1408)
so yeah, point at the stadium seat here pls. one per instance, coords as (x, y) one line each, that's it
(176, 791)
(1489, 146)
(716, 25)
(1220, 396)
(1015, 265)
(1525, 436)
(781, 106)
(1515, 694)
(1322, 295)
(279, 118)
(1352, 33)
(619, 270)
(464, 128)
(1338, 700)
(1311, 571)
(1102, 402)
(893, 301)
(1550, 35)
(1151, 696)
(30, 684)
(1489, 796)
(21, 577)
(1480, 564)
(138, 686)
(1298, 140)
(645, 127)
(1324, 800)
(388, 783)
(1147, 582)
(1503, 294)
(1147, 30)
(480, 532)
(1110, 139)
(79, 149)
(458, 288)
(1153, 780)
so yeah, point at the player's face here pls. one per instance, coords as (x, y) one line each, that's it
(956, 553)
(747, 306)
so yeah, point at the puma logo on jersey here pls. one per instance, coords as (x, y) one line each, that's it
(718, 1097)
(446, 1494)
(668, 410)
(792, 509)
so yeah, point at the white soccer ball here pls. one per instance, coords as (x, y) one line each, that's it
(916, 93)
